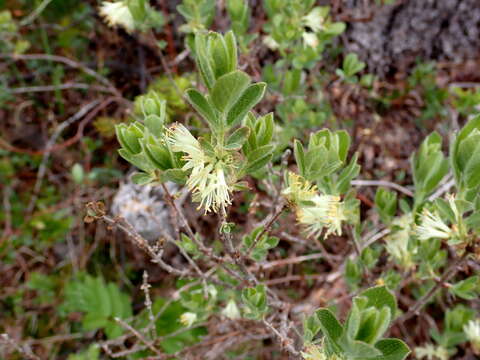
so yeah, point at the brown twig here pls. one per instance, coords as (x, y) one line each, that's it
(447, 275)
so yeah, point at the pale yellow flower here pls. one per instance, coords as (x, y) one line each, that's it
(327, 212)
(117, 14)
(310, 39)
(188, 318)
(431, 352)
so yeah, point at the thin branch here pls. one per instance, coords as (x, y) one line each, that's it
(447, 275)
(35, 13)
(69, 62)
(285, 342)
(442, 190)
(288, 261)
(266, 229)
(43, 166)
(47, 88)
(384, 183)
(24, 350)
(139, 336)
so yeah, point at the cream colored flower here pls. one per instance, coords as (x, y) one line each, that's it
(270, 43)
(398, 240)
(315, 211)
(316, 352)
(208, 179)
(313, 352)
(188, 318)
(231, 311)
(431, 352)
(432, 226)
(117, 14)
(327, 212)
(472, 331)
(315, 19)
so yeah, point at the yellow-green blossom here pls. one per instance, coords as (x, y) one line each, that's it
(299, 189)
(432, 226)
(117, 14)
(188, 318)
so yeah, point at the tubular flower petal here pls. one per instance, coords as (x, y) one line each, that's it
(299, 189)
(431, 226)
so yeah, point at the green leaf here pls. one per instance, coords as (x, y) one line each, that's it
(386, 204)
(392, 349)
(359, 350)
(238, 138)
(380, 296)
(352, 65)
(255, 299)
(228, 89)
(139, 160)
(158, 154)
(467, 289)
(299, 154)
(202, 106)
(231, 44)
(142, 178)
(99, 301)
(219, 54)
(250, 97)
(329, 324)
(258, 158)
(347, 175)
(176, 175)
(203, 60)
(264, 129)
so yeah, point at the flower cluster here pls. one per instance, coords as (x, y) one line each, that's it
(315, 211)
(208, 175)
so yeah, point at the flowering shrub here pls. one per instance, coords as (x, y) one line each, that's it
(264, 248)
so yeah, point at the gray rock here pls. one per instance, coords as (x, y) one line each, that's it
(397, 35)
(144, 208)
